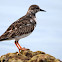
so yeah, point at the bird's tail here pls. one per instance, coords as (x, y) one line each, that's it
(2, 39)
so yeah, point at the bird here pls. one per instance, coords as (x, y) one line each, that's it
(22, 27)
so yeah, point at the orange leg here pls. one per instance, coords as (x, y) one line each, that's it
(19, 47)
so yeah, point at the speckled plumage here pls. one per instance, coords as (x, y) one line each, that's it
(19, 27)
(22, 27)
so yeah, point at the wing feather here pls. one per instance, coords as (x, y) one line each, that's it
(18, 28)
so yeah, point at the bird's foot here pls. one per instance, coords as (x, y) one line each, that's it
(22, 49)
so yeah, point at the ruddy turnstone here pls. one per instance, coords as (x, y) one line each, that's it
(22, 27)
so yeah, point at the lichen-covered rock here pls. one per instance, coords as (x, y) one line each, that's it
(43, 58)
(28, 56)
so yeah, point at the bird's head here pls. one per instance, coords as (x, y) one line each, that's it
(34, 9)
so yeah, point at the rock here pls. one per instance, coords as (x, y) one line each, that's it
(28, 56)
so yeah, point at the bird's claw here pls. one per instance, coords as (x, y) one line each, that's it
(22, 49)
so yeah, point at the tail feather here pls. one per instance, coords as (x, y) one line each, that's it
(2, 39)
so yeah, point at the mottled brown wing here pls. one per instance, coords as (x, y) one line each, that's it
(23, 27)
(18, 28)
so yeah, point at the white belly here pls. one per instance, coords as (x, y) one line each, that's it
(22, 36)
